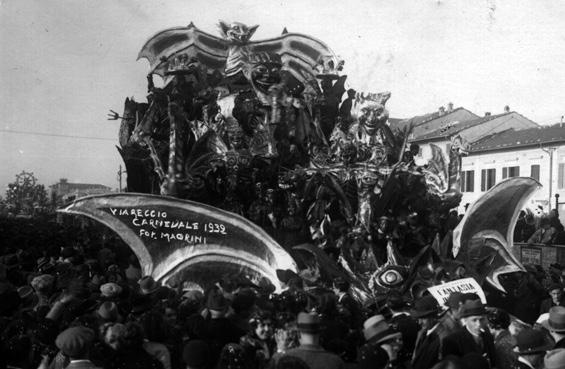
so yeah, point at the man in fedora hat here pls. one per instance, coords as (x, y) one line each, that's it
(555, 324)
(148, 286)
(531, 346)
(220, 330)
(378, 332)
(471, 337)
(309, 327)
(427, 349)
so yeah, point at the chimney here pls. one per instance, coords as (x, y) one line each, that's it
(487, 113)
(441, 110)
(506, 109)
(449, 107)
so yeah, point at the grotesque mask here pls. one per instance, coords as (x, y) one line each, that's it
(370, 109)
(235, 135)
(237, 32)
(264, 71)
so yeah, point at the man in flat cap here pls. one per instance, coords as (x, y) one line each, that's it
(75, 343)
(556, 298)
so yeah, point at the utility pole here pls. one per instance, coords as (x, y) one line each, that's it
(550, 151)
(120, 174)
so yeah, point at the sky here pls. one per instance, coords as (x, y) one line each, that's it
(65, 63)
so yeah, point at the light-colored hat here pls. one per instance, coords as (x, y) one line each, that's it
(308, 323)
(376, 330)
(556, 321)
(555, 359)
(110, 289)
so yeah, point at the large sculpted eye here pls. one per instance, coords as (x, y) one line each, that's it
(390, 277)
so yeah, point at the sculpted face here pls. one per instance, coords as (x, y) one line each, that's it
(265, 75)
(237, 32)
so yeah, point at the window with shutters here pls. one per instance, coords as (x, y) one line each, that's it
(534, 173)
(468, 181)
(488, 179)
(509, 172)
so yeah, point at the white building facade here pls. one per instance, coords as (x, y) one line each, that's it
(538, 153)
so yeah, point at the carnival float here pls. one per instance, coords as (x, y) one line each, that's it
(254, 157)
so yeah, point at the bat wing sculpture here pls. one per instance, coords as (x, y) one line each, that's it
(299, 53)
(484, 238)
(177, 240)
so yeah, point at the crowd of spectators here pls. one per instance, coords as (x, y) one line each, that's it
(546, 229)
(74, 297)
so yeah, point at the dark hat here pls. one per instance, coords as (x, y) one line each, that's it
(108, 311)
(217, 301)
(454, 300)
(266, 285)
(196, 354)
(395, 300)
(147, 285)
(555, 286)
(68, 252)
(555, 359)
(470, 296)
(308, 322)
(426, 306)
(376, 330)
(140, 304)
(531, 341)
(498, 319)
(556, 321)
(75, 342)
(471, 308)
(243, 300)
(286, 275)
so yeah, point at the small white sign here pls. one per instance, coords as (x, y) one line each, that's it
(465, 285)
